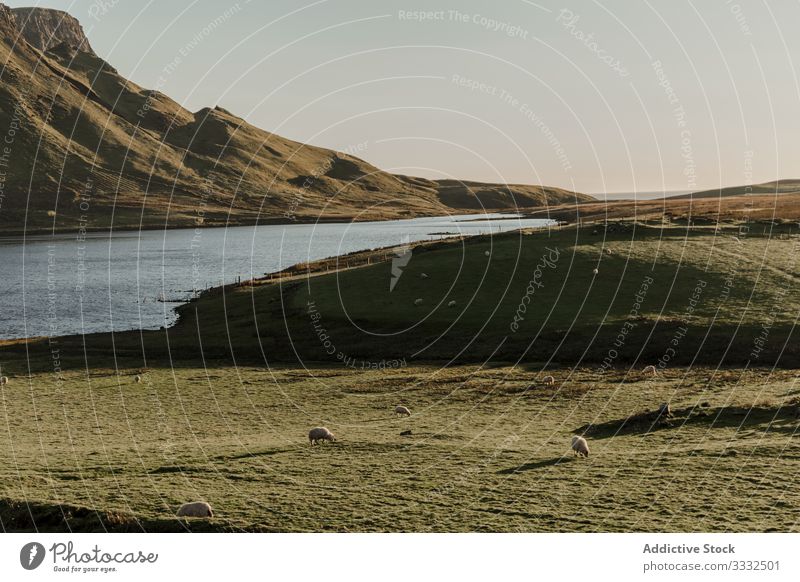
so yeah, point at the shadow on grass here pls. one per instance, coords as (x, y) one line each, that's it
(175, 469)
(19, 517)
(253, 454)
(773, 418)
(536, 465)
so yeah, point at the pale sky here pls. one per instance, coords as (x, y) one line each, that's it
(598, 97)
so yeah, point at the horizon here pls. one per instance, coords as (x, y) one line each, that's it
(452, 92)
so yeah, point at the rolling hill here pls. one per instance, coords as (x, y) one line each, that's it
(776, 187)
(89, 149)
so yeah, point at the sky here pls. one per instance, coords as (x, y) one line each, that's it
(598, 97)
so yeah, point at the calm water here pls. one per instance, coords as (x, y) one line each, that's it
(59, 285)
(640, 195)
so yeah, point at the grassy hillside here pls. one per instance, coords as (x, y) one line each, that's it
(91, 149)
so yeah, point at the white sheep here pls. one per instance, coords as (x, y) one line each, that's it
(424, 276)
(487, 253)
(580, 447)
(451, 303)
(418, 302)
(195, 509)
(320, 433)
(3, 380)
(608, 251)
(651, 370)
(595, 271)
(548, 380)
(402, 410)
(137, 378)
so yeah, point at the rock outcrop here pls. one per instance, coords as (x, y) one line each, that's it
(45, 28)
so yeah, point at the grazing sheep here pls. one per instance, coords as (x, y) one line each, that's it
(320, 433)
(665, 410)
(451, 304)
(608, 251)
(137, 378)
(548, 380)
(418, 302)
(487, 253)
(402, 410)
(195, 509)
(651, 370)
(3, 380)
(424, 276)
(580, 447)
(595, 271)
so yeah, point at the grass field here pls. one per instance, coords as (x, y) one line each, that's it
(231, 391)
(675, 295)
(488, 450)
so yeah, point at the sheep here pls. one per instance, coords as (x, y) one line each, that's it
(423, 276)
(580, 447)
(651, 370)
(451, 303)
(418, 302)
(3, 380)
(195, 509)
(548, 380)
(608, 251)
(137, 378)
(487, 253)
(402, 410)
(595, 271)
(320, 433)
(665, 410)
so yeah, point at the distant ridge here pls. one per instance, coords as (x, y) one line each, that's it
(790, 186)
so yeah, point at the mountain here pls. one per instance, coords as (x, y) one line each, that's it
(775, 187)
(88, 149)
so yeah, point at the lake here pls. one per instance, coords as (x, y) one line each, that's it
(59, 285)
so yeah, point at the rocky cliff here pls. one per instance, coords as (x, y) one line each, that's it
(46, 28)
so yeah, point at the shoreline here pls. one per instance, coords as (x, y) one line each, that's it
(299, 271)
(274, 297)
(522, 213)
(188, 226)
